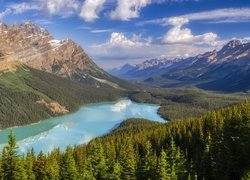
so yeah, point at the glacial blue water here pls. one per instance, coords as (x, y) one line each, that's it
(80, 127)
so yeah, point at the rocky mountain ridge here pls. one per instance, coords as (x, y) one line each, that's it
(227, 69)
(148, 67)
(157, 62)
(35, 47)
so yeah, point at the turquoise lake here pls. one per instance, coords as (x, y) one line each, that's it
(80, 127)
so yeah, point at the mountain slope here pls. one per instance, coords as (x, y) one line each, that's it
(29, 95)
(225, 70)
(120, 71)
(35, 47)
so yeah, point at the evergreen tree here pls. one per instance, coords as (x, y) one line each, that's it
(171, 158)
(163, 169)
(12, 165)
(29, 166)
(68, 167)
(1, 169)
(128, 162)
(99, 162)
(206, 161)
(246, 176)
(4, 163)
(110, 156)
(88, 171)
(147, 168)
(40, 166)
(181, 169)
(52, 169)
(116, 173)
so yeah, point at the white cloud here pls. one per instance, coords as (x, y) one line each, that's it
(87, 9)
(127, 9)
(226, 15)
(64, 8)
(19, 8)
(244, 39)
(5, 13)
(101, 30)
(120, 49)
(222, 15)
(90, 9)
(118, 46)
(178, 34)
(114, 56)
(118, 40)
(178, 21)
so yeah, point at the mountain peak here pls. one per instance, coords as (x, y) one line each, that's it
(233, 43)
(28, 22)
(35, 47)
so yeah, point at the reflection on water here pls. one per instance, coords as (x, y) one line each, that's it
(80, 127)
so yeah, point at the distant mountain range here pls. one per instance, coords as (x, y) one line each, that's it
(225, 70)
(145, 69)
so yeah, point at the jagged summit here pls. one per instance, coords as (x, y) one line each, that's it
(156, 62)
(28, 22)
(233, 43)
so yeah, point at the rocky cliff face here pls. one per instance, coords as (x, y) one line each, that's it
(35, 47)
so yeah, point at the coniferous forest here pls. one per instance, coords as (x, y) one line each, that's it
(213, 146)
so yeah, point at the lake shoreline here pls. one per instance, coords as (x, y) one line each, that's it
(59, 115)
(87, 104)
(90, 121)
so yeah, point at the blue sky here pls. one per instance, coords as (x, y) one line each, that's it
(115, 32)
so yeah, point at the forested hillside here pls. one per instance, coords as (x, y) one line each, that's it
(182, 103)
(29, 95)
(214, 146)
